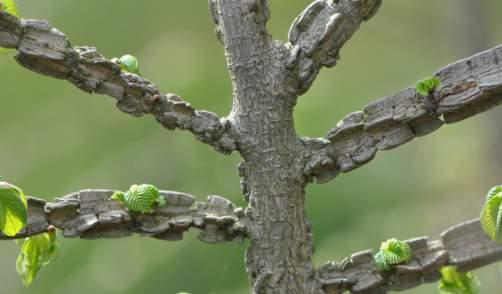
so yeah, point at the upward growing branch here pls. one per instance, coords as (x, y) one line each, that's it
(318, 34)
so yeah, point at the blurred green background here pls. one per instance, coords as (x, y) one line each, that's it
(57, 139)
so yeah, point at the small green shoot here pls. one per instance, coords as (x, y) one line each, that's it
(9, 6)
(454, 282)
(392, 252)
(128, 63)
(13, 209)
(491, 214)
(140, 198)
(427, 86)
(36, 252)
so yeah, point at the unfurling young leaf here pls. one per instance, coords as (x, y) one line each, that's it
(381, 263)
(140, 198)
(11, 8)
(426, 86)
(13, 209)
(128, 63)
(392, 252)
(454, 282)
(491, 214)
(35, 252)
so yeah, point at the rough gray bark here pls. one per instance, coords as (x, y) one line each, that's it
(267, 77)
(318, 34)
(278, 260)
(466, 246)
(469, 87)
(91, 214)
(45, 50)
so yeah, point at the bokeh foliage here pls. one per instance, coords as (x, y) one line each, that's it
(57, 139)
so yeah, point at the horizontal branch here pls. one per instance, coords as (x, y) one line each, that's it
(318, 34)
(469, 87)
(45, 50)
(465, 246)
(90, 214)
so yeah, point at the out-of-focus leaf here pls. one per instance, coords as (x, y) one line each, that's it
(35, 252)
(454, 282)
(13, 209)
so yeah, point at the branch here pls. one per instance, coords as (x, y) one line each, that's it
(465, 246)
(90, 214)
(469, 87)
(240, 20)
(318, 34)
(45, 50)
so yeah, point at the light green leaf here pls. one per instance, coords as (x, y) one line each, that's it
(454, 282)
(10, 6)
(140, 198)
(119, 196)
(392, 252)
(491, 214)
(380, 262)
(128, 63)
(422, 89)
(493, 191)
(426, 86)
(35, 252)
(396, 251)
(13, 209)
(433, 82)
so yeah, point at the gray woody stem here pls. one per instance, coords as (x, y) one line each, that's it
(90, 214)
(267, 77)
(279, 258)
(465, 246)
(469, 87)
(45, 50)
(318, 34)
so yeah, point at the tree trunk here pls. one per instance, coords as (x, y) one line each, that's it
(267, 76)
(279, 259)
